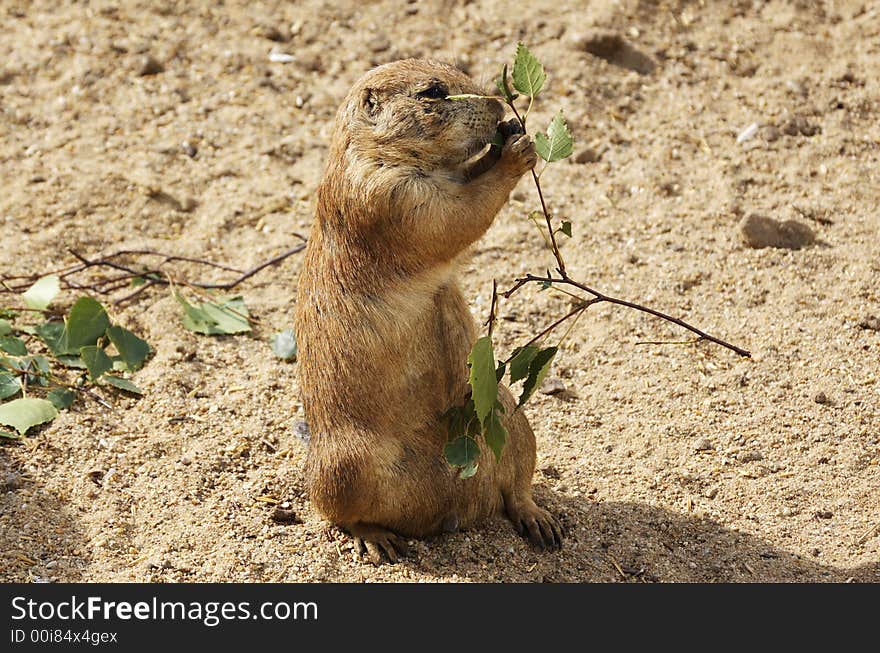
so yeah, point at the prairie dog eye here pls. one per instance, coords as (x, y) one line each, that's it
(433, 92)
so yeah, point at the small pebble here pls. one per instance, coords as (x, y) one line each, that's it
(11, 482)
(157, 563)
(711, 493)
(189, 149)
(281, 57)
(770, 133)
(748, 133)
(553, 386)
(285, 516)
(821, 398)
(797, 87)
(379, 44)
(271, 32)
(759, 231)
(301, 430)
(800, 126)
(871, 322)
(148, 65)
(703, 444)
(824, 514)
(587, 155)
(749, 456)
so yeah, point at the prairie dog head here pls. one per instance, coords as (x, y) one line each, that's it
(397, 116)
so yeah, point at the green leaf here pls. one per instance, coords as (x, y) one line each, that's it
(557, 144)
(61, 398)
(71, 361)
(97, 361)
(122, 384)
(5, 327)
(54, 334)
(482, 379)
(495, 434)
(7, 434)
(132, 349)
(462, 452)
(545, 285)
(9, 384)
(538, 369)
(461, 421)
(528, 73)
(13, 345)
(136, 282)
(209, 318)
(41, 294)
(566, 228)
(86, 323)
(519, 364)
(22, 414)
(230, 316)
(284, 344)
(503, 85)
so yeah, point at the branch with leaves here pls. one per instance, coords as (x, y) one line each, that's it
(529, 363)
(46, 365)
(86, 345)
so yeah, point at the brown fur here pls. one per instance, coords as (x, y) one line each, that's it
(382, 327)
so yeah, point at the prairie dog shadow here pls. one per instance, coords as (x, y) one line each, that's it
(40, 539)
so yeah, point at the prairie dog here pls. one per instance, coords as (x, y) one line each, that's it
(382, 328)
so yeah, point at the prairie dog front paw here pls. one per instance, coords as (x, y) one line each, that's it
(518, 154)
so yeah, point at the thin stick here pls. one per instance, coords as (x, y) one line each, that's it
(155, 275)
(867, 534)
(55, 380)
(491, 321)
(554, 246)
(575, 311)
(601, 297)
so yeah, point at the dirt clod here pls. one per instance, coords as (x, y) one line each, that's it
(11, 482)
(587, 155)
(760, 231)
(870, 322)
(149, 65)
(616, 50)
(285, 516)
(703, 444)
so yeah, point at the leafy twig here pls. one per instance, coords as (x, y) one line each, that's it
(530, 84)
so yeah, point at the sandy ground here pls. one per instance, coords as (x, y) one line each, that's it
(665, 462)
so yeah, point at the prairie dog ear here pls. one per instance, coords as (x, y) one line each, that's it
(370, 102)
